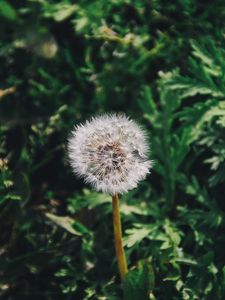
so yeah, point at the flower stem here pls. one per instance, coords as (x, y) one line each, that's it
(121, 258)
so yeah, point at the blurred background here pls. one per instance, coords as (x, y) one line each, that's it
(163, 64)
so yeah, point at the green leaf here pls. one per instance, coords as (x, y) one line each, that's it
(172, 232)
(65, 12)
(186, 261)
(139, 282)
(136, 235)
(7, 10)
(68, 224)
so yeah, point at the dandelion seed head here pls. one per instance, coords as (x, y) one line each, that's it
(110, 152)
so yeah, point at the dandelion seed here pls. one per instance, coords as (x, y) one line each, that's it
(110, 153)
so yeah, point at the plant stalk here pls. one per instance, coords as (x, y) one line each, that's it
(120, 254)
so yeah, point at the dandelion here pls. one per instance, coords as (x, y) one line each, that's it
(111, 153)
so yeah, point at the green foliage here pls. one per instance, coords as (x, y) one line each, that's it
(162, 63)
(7, 10)
(139, 282)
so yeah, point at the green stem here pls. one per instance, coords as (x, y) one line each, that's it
(121, 258)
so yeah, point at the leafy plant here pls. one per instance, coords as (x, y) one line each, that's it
(162, 63)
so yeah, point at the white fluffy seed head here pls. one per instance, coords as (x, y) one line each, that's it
(110, 153)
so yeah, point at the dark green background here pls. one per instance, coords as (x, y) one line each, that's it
(162, 63)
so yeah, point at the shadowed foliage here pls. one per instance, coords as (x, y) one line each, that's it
(161, 62)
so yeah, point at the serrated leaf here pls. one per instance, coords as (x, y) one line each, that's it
(136, 235)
